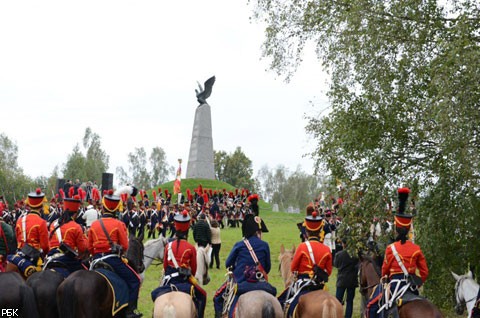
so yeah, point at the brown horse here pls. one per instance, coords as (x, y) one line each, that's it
(318, 304)
(370, 277)
(88, 294)
(284, 258)
(315, 304)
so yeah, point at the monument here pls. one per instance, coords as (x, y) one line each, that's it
(200, 158)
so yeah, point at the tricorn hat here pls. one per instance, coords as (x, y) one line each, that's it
(251, 224)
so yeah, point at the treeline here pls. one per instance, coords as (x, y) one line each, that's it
(88, 161)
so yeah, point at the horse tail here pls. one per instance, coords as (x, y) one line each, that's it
(29, 306)
(267, 310)
(67, 303)
(169, 311)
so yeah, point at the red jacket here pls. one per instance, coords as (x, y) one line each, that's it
(411, 256)
(303, 264)
(186, 256)
(97, 240)
(72, 235)
(36, 232)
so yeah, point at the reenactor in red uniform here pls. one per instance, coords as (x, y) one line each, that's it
(402, 259)
(180, 265)
(32, 238)
(311, 264)
(67, 240)
(100, 247)
(410, 255)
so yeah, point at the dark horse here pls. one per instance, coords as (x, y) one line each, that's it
(88, 294)
(44, 285)
(370, 277)
(17, 295)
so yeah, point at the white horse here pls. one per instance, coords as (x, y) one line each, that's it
(258, 304)
(203, 261)
(153, 250)
(466, 291)
(175, 304)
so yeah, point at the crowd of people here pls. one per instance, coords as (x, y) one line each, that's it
(72, 230)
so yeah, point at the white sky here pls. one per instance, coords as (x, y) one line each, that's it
(128, 70)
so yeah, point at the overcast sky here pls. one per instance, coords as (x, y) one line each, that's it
(128, 70)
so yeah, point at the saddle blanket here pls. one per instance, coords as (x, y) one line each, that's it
(119, 289)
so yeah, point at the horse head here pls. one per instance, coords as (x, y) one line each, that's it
(369, 273)
(135, 254)
(466, 290)
(154, 250)
(285, 259)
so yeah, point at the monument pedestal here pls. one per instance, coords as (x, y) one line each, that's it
(200, 158)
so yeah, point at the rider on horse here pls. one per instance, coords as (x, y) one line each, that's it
(402, 259)
(250, 260)
(312, 265)
(107, 239)
(67, 241)
(8, 242)
(180, 266)
(32, 236)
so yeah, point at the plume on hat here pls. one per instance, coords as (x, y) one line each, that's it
(402, 199)
(128, 189)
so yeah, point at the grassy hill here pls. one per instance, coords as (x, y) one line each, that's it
(192, 184)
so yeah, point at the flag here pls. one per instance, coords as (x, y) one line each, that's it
(176, 186)
(178, 181)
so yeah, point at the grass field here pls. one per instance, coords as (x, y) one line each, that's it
(282, 230)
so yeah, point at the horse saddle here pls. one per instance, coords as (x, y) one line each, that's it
(408, 297)
(119, 289)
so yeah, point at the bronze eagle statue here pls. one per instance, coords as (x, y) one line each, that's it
(206, 91)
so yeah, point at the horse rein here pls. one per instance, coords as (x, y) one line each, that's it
(160, 261)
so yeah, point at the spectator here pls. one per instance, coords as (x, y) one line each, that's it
(90, 215)
(201, 232)
(347, 280)
(216, 243)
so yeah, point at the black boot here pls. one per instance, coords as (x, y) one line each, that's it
(218, 314)
(132, 311)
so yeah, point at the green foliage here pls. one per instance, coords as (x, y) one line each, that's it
(282, 187)
(14, 183)
(235, 168)
(143, 175)
(89, 164)
(404, 110)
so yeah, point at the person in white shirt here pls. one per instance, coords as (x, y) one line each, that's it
(90, 215)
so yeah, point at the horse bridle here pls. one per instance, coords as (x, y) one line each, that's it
(461, 303)
(160, 261)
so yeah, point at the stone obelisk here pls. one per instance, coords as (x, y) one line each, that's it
(200, 159)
